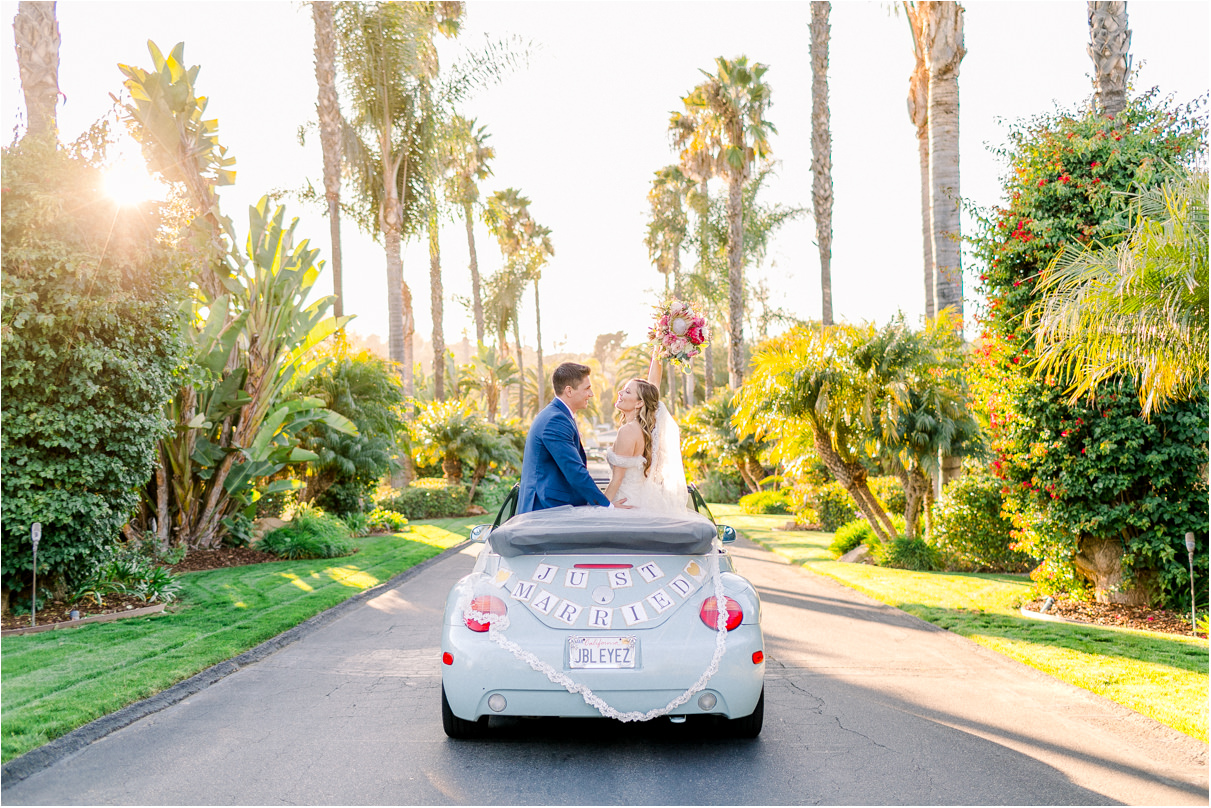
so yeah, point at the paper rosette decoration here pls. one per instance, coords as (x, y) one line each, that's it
(679, 333)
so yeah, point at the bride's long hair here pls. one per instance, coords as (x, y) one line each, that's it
(645, 415)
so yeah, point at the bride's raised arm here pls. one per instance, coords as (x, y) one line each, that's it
(655, 369)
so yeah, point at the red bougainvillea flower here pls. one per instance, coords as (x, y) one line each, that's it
(1017, 283)
(1042, 183)
(1094, 164)
(1064, 178)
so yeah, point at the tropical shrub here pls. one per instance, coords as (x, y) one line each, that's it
(722, 485)
(969, 530)
(252, 325)
(428, 499)
(492, 492)
(310, 534)
(889, 492)
(364, 389)
(1092, 488)
(767, 502)
(852, 534)
(128, 569)
(380, 520)
(710, 441)
(831, 505)
(909, 553)
(90, 348)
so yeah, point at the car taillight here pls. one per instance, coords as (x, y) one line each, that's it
(484, 604)
(710, 613)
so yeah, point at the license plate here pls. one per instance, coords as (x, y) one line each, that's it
(602, 652)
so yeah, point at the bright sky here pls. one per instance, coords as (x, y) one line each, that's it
(581, 130)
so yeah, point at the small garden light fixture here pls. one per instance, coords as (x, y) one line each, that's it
(35, 536)
(1190, 556)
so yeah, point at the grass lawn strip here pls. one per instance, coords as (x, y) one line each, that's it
(60, 680)
(1162, 676)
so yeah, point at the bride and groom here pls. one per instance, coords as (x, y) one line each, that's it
(647, 471)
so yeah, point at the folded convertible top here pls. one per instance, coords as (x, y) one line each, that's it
(592, 529)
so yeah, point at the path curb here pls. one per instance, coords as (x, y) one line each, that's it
(35, 760)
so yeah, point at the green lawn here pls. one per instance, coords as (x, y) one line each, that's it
(56, 681)
(1162, 676)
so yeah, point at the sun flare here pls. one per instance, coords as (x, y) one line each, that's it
(128, 183)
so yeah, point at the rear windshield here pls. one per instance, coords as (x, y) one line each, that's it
(593, 530)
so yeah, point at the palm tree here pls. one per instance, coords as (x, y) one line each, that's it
(1109, 40)
(490, 373)
(36, 32)
(725, 121)
(918, 113)
(434, 134)
(537, 249)
(467, 158)
(822, 155)
(667, 223)
(388, 55)
(329, 110)
(507, 215)
(942, 36)
(1138, 308)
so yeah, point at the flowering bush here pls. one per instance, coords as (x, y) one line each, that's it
(970, 530)
(678, 332)
(1095, 470)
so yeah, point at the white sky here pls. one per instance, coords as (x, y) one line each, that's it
(581, 130)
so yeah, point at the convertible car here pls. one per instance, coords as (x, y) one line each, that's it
(586, 612)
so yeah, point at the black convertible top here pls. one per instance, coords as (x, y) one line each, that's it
(593, 530)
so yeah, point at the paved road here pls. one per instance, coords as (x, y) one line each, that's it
(864, 705)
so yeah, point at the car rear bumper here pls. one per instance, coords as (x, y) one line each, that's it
(668, 666)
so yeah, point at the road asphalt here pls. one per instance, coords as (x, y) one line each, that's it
(864, 705)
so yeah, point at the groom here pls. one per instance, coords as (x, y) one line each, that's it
(553, 469)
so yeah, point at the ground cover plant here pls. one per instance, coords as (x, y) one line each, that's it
(60, 680)
(1162, 676)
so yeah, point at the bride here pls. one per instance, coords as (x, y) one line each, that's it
(646, 459)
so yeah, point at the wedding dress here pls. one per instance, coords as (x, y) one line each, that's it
(663, 489)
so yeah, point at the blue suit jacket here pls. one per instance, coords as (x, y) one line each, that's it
(553, 469)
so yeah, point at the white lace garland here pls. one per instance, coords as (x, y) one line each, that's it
(497, 623)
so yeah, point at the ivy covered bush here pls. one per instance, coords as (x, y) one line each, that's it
(969, 529)
(827, 505)
(1094, 491)
(90, 346)
(428, 498)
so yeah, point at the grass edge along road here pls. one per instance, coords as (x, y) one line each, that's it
(57, 681)
(1162, 676)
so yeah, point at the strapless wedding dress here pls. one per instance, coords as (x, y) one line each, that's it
(663, 489)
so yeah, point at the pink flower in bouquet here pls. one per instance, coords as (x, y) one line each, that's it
(694, 335)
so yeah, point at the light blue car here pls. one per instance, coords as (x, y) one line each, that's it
(590, 612)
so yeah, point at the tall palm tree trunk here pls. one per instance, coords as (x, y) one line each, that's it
(36, 34)
(328, 107)
(1109, 40)
(735, 278)
(435, 303)
(521, 370)
(918, 113)
(541, 373)
(822, 155)
(942, 32)
(476, 298)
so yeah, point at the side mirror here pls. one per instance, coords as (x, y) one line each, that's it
(480, 532)
(727, 534)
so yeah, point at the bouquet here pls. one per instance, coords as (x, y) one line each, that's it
(678, 332)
